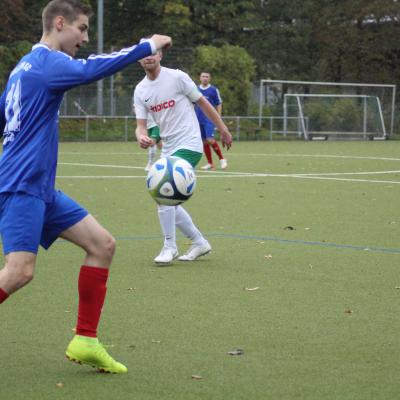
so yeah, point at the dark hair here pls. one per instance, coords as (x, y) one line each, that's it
(205, 72)
(69, 9)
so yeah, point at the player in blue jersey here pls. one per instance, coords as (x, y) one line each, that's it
(32, 212)
(211, 93)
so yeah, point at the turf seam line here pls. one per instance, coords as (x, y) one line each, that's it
(269, 239)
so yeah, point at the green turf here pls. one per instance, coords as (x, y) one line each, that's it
(323, 324)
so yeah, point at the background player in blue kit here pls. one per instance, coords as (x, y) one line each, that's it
(32, 212)
(207, 128)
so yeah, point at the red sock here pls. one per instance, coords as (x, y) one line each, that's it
(217, 149)
(3, 295)
(92, 292)
(207, 152)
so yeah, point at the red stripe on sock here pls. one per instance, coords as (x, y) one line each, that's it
(217, 149)
(3, 295)
(207, 152)
(92, 292)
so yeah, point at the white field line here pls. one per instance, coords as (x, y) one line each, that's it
(223, 174)
(101, 165)
(232, 173)
(232, 176)
(350, 157)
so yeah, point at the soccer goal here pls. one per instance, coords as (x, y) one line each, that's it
(312, 110)
(323, 115)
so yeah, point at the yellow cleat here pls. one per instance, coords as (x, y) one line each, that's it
(88, 350)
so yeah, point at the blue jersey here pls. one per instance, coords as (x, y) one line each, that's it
(29, 110)
(211, 93)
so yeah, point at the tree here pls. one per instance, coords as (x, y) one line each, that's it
(358, 41)
(232, 71)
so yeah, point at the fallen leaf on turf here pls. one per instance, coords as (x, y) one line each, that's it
(289, 228)
(248, 289)
(197, 377)
(236, 352)
(260, 242)
(307, 229)
(155, 341)
(67, 311)
(268, 257)
(131, 288)
(349, 312)
(60, 385)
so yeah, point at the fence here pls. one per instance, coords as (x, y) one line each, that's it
(106, 128)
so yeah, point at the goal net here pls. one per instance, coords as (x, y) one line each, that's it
(323, 115)
(322, 109)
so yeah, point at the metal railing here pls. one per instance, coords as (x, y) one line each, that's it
(122, 128)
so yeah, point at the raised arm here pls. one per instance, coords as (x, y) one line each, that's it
(63, 72)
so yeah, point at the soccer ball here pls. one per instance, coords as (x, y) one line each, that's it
(171, 181)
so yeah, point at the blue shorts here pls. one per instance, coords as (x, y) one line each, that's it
(207, 130)
(27, 221)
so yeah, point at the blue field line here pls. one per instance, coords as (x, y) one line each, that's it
(270, 239)
(307, 243)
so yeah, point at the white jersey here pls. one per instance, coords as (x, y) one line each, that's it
(168, 100)
(150, 122)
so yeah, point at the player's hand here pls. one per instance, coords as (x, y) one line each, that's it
(226, 138)
(162, 41)
(145, 142)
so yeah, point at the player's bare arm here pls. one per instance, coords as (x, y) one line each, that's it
(212, 114)
(142, 137)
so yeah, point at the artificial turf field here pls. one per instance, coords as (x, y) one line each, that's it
(314, 227)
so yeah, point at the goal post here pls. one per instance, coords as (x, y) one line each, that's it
(376, 104)
(365, 116)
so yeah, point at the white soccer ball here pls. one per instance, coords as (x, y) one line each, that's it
(171, 181)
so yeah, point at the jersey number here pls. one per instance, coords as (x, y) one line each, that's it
(13, 109)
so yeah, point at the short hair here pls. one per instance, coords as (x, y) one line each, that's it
(69, 9)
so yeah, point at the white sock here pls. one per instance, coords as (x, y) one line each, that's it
(187, 227)
(166, 215)
(152, 154)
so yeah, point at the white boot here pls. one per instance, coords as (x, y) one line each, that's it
(195, 251)
(166, 256)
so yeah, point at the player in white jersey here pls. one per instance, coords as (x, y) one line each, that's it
(168, 96)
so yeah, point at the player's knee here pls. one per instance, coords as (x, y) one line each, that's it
(20, 272)
(105, 248)
(26, 276)
(110, 246)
